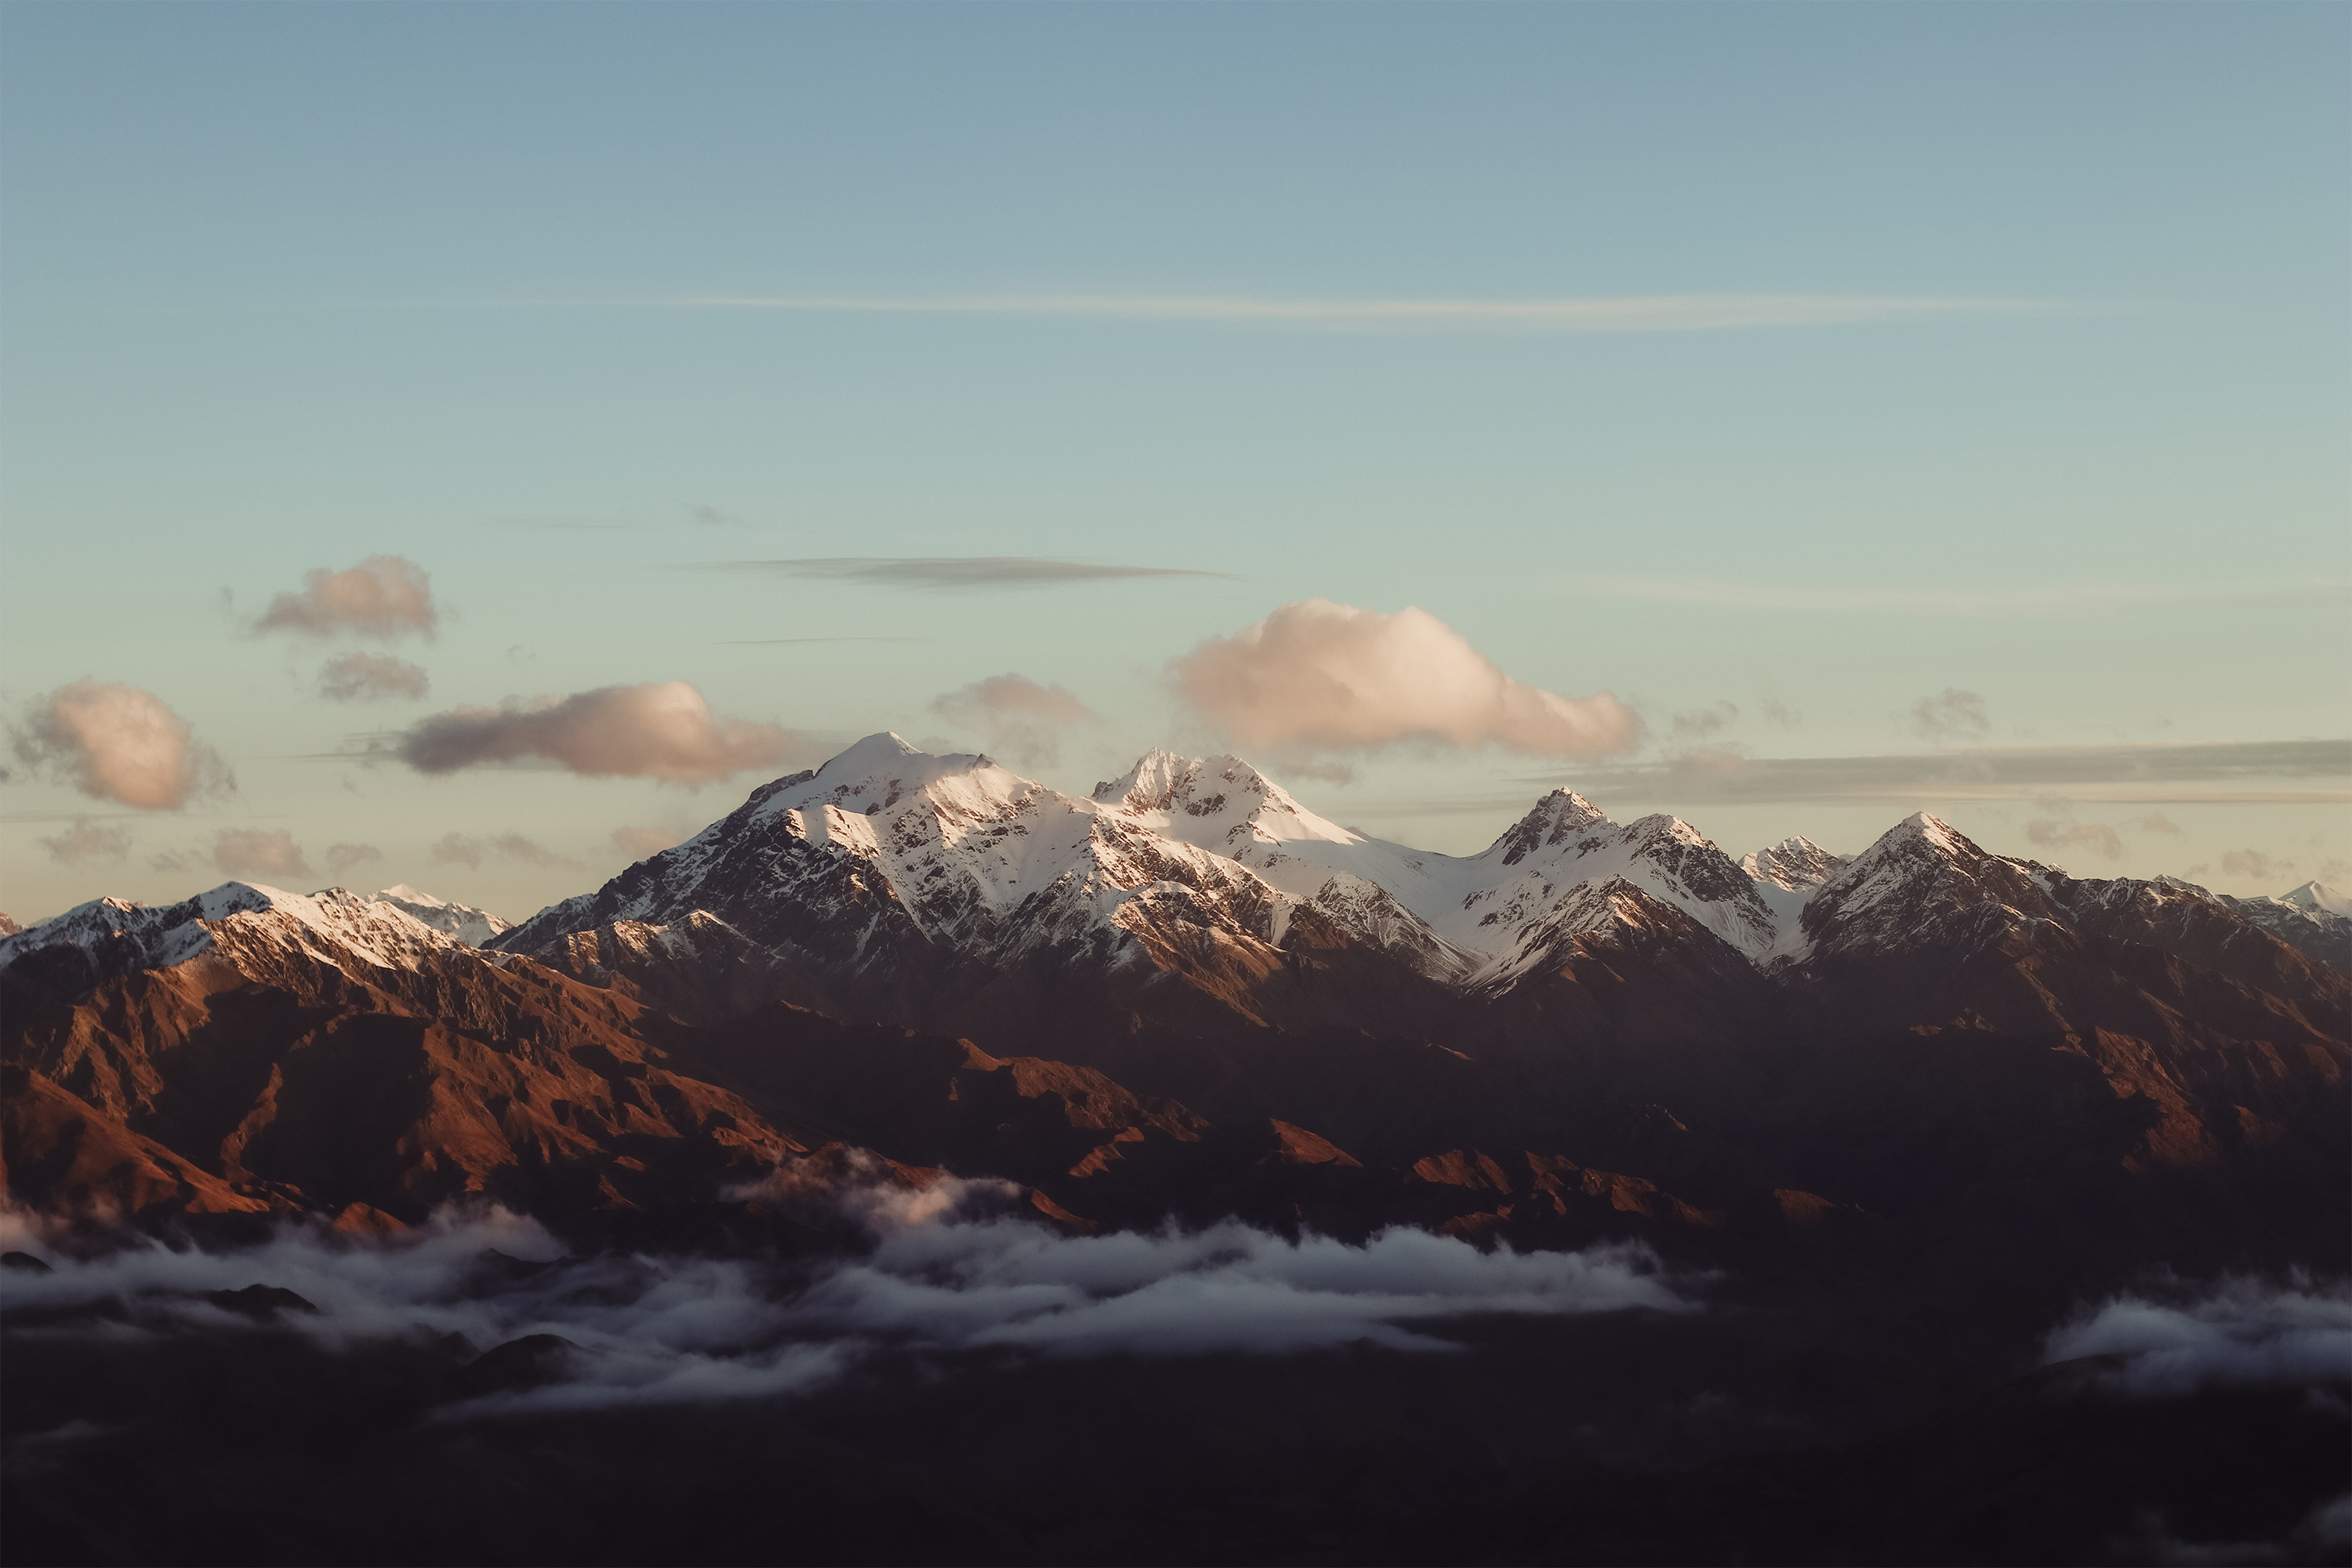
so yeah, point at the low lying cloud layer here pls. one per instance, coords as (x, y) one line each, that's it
(117, 742)
(1022, 720)
(2233, 1333)
(383, 597)
(371, 678)
(945, 1275)
(663, 730)
(960, 571)
(1315, 676)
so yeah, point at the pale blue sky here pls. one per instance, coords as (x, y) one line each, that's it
(285, 286)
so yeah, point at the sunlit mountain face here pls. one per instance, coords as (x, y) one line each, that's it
(920, 1163)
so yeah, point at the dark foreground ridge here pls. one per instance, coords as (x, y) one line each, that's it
(898, 1190)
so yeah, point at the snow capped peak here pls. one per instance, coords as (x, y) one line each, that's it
(154, 936)
(1552, 820)
(876, 753)
(468, 924)
(1794, 864)
(2319, 895)
(1930, 828)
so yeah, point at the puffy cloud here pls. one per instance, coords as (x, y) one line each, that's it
(341, 857)
(950, 1271)
(637, 843)
(2098, 835)
(88, 843)
(258, 852)
(457, 849)
(1315, 676)
(1021, 719)
(2175, 1339)
(663, 730)
(371, 677)
(1951, 714)
(1781, 714)
(2157, 821)
(2254, 864)
(383, 596)
(117, 742)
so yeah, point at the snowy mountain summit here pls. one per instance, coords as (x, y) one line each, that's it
(889, 859)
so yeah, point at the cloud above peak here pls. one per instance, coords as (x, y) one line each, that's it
(1023, 719)
(383, 596)
(1319, 677)
(118, 742)
(662, 729)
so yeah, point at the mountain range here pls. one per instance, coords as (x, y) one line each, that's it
(1919, 1094)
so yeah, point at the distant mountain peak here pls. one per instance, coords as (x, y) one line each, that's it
(468, 924)
(1550, 822)
(1795, 863)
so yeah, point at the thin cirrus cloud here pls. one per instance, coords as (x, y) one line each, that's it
(1021, 719)
(662, 729)
(2247, 773)
(383, 597)
(1620, 313)
(2023, 601)
(1314, 676)
(371, 678)
(118, 742)
(959, 571)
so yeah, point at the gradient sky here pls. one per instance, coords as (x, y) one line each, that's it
(573, 305)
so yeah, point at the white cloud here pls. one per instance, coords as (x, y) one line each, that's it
(664, 729)
(1022, 720)
(88, 843)
(117, 742)
(1315, 676)
(371, 677)
(2235, 1332)
(341, 857)
(383, 596)
(949, 1270)
(2098, 835)
(1950, 714)
(258, 852)
(2253, 864)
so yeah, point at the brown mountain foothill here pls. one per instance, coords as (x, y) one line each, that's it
(841, 1165)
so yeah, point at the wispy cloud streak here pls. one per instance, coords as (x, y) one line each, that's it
(1625, 313)
(956, 571)
(2051, 599)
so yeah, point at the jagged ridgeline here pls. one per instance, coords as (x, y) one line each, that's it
(1183, 991)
